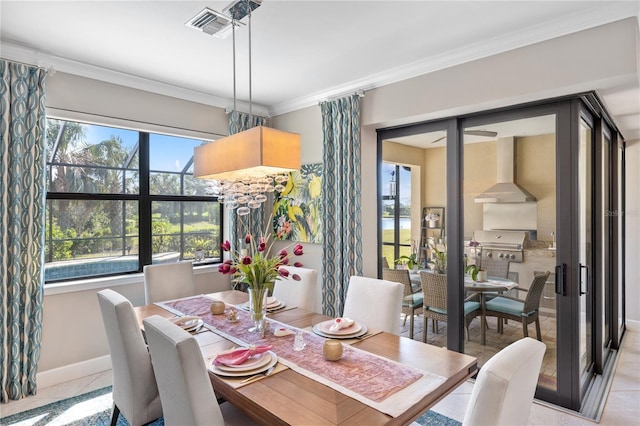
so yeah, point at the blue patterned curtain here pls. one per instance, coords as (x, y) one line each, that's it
(342, 230)
(238, 122)
(22, 197)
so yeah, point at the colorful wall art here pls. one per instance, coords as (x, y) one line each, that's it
(297, 211)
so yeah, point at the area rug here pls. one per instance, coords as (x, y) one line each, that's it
(94, 409)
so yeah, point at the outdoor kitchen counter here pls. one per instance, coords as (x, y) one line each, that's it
(539, 249)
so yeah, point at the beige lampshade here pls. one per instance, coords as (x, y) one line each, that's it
(257, 152)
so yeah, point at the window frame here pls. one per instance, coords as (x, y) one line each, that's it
(144, 199)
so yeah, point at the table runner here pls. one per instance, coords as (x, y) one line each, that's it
(383, 384)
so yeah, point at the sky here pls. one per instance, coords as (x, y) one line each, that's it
(168, 153)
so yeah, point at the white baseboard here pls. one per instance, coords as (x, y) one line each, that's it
(632, 325)
(73, 371)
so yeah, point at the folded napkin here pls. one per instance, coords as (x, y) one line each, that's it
(340, 323)
(239, 356)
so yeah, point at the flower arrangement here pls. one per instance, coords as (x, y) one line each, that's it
(410, 260)
(439, 256)
(432, 216)
(474, 269)
(255, 267)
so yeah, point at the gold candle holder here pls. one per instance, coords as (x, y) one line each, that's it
(217, 307)
(332, 350)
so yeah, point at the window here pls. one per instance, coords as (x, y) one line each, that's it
(396, 213)
(119, 199)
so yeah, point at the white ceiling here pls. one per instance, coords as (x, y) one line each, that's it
(302, 51)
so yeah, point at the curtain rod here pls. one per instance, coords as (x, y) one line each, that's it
(50, 69)
(360, 94)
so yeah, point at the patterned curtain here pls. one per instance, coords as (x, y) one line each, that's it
(342, 244)
(252, 222)
(22, 198)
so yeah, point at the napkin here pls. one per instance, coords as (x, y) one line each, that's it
(340, 323)
(239, 356)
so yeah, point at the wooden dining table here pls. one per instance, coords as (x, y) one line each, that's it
(289, 397)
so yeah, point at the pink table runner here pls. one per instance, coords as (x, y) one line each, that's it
(384, 384)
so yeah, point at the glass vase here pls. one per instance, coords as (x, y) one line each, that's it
(258, 308)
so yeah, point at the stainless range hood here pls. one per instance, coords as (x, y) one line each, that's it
(505, 190)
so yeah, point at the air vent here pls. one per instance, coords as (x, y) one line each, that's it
(211, 22)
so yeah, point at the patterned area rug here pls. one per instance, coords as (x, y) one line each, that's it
(94, 408)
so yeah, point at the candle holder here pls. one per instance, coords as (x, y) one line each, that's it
(332, 350)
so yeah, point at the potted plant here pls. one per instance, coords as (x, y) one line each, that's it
(475, 270)
(439, 257)
(410, 261)
(432, 219)
(200, 246)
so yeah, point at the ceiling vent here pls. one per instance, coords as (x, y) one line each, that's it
(211, 22)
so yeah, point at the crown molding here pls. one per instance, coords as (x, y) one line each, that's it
(38, 58)
(580, 21)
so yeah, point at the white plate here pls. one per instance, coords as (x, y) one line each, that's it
(325, 327)
(214, 368)
(319, 332)
(280, 305)
(252, 363)
(187, 322)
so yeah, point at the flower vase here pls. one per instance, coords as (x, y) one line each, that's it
(432, 224)
(482, 276)
(258, 308)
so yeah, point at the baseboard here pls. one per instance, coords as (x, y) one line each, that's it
(73, 371)
(632, 325)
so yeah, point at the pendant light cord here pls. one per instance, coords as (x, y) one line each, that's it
(250, 100)
(233, 31)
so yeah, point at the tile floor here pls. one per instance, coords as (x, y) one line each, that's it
(621, 407)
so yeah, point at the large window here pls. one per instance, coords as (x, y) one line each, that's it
(119, 199)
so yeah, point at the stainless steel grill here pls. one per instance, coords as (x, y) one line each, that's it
(506, 245)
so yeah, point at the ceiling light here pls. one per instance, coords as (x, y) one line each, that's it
(248, 164)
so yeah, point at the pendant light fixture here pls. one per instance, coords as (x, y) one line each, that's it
(247, 165)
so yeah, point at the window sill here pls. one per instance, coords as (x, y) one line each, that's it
(106, 282)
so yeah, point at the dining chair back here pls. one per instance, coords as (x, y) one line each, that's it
(186, 392)
(434, 289)
(374, 303)
(505, 386)
(168, 281)
(301, 294)
(410, 301)
(135, 393)
(525, 311)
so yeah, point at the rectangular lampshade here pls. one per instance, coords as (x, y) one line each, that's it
(259, 151)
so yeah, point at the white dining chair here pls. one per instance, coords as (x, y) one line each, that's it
(135, 393)
(168, 281)
(301, 294)
(186, 392)
(504, 390)
(374, 303)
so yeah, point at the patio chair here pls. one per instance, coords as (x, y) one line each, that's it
(411, 301)
(434, 288)
(525, 311)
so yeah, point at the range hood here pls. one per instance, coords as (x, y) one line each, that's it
(505, 190)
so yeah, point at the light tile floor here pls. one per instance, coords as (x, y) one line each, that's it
(622, 407)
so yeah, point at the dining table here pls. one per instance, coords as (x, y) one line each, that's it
(381, 379)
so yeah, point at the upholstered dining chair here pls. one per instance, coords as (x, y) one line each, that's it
(135, 393)
(505, 386)
(186, 392)
(301, 294)
(167, 281)
(525, 311)
(374, 303)
(411, 301)
(434, 288)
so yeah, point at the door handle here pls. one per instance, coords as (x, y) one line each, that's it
(560, 282)
(585, 281)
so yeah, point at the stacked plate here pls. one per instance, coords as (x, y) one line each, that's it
(324, 329)
(188, 323)
(254, 365)
(273, 304)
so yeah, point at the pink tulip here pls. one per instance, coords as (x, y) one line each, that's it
(262, 246)
(247, 260)
(298, 265)
(247, 239)
(224, 268)
(226, 246)
(296, 277)
(283, 272)
(283, 253)
(285, 261)
(297, 250)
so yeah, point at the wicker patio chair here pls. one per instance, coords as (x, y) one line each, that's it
(525, 311)
(411, 301)
(434, 288)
